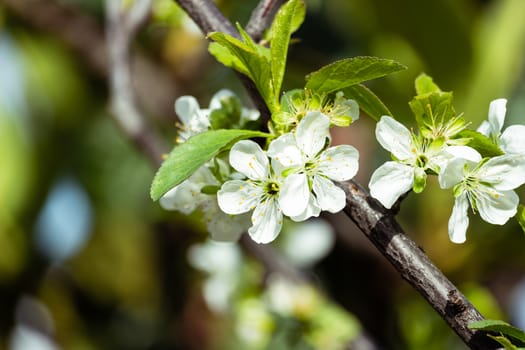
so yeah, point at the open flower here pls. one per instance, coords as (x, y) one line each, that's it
(486, 185)
(260, 192)
(309, 164)
(512, 140)
(413, 157)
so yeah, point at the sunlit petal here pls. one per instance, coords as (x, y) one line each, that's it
(284, 150)
(390, 181)
(267, 220)
(329, 197)
(505, 172)
(248, 158)
(312, 132)
(339, 163)
(497, 110)
(312, 210)
(395, 137)
(513, 139)
(497, 208)
(458, 222)
(453, 172)
(294, 194)
(237, 196)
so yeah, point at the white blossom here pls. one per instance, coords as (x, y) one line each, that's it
(260, 192)
(413, 157)
(512, 140)
(311, 168)
(484, 185)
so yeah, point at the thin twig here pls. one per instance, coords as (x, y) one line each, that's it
(121, 26)
(262, 17)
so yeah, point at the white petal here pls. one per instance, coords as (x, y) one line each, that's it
(453, 172)
(497, 208)
(497, 110)
(339, 163)
(464, 152)
(215, 102)
(395, 137)
(513, 139)
(312, 132)
(390, 181)
(237, 196)
(184, 198)
(224, 227)
(484, 128)
(267, 220)
(458, 222)
(284, 150)
(312, 210)
(188, 110)
(248, 158)
(505, 172)
(329, 197)
(294, 194)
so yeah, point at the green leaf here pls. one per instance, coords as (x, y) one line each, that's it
(507, 344)
(351, 71)
(520, 216)
(500, 327)
(187, 157)
(433, 109)
(281, 31)
(248, 58)
(368, 101)
(425, 84)
(480, 143)
(224, 56)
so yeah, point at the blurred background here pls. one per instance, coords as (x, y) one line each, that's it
(88, 261)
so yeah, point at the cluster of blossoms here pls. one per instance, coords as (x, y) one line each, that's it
(293, 178)
(486, 184)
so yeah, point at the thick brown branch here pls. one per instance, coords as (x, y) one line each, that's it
(262, 17)
(380, 226)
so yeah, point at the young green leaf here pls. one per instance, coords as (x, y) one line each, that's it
(433, 109)
(224, 56)
(520, 216)
(367, 101)
(250, 59)
(500, 327)
(507, 344)
(281, 31)
(425, 84)
(187, 157)
(351, 71)
(480, 143)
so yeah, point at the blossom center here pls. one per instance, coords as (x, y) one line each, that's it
(271, 188)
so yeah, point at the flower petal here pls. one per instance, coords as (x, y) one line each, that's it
(497, 110)
(294, 194)
(390, 181)
(188, 111)
(284, 150)
(267, 220)
(312, 210)
(458, 222)
(238, 196)
(248, 158)
(215, 102)
(224, 227)
(497, 208)
(484, 128)
(453, 172)
(312, 132)
(513, 139)
(339, 163)
(395, 137)
(464, 152)
(184, 198)
(329, 197)
(505, 172)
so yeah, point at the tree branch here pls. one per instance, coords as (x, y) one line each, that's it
(379, 225)
(262, 17)
(121, 28)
